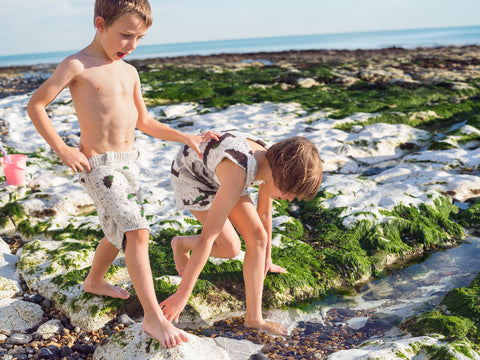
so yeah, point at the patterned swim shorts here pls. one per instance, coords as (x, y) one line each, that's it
(113, 185)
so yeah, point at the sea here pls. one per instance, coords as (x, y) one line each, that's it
(410, 38)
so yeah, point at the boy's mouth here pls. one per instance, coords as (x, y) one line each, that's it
(121, 55)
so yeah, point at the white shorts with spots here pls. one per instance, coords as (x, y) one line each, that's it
(113, 185)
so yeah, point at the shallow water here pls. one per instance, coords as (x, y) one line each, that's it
(416, 288)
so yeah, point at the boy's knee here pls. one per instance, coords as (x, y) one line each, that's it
(234, 249)
(138, 237)
(260, 237)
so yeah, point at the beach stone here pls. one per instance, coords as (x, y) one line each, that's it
(124, 319)
(239, 349)
(34, 298)
(65, 351)
(74, 201)
(47, 353)
(49, 328)
(382, 321)
(135, 344)
(257, 357)
(83, 349)
(18, 315)
(19, 339)
(307, 83)
(16, 351)
(9, 287)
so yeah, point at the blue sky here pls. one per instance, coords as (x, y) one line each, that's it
(59, 25)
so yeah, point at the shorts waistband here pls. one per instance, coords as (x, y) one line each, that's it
(111, 157)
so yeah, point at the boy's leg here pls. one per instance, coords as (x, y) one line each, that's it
(138, 265)
(105, 254)
(246, 220)
(226, 246)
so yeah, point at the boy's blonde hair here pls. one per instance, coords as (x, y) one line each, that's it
(296, 167)
(111, 10)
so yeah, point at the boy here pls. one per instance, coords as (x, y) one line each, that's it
(108, 101)
(213, 189)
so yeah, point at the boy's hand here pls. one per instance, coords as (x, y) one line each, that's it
(74, 159)
(270, 266)
(195, 141)
(173, 306)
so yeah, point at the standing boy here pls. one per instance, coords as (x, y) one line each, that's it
(108, 101)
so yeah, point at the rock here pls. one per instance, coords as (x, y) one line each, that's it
(135, 344)
(307, 82)
(86, 312)
(34, 298)
(9, 284)
(18, 315)
(124, 319)
(83, 349)
(8, 287)
(49, 328)
(75, 202)
(382, 321)
(257, 357)
(48, 352)
(19, 339)
(238, 349)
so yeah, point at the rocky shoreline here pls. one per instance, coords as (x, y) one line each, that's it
(21, 79)
(54, 337)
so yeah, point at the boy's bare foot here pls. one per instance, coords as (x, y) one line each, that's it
(268, 326)
(104, 288)
(165, 332)
(179, 255)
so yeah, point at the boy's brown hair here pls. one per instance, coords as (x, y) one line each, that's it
(296, 167)
(111, 10)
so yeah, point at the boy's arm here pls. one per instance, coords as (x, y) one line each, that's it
(152, 127)
(44, 95)
(233, 180)
(264, 210)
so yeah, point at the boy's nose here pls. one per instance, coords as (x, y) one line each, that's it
(132, 44)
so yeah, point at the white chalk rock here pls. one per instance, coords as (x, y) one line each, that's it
(18, 315)
(135, 344)
(9, 284)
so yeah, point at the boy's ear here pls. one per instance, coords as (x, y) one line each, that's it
(100, 24)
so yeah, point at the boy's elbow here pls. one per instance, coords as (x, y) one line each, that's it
(32, 106)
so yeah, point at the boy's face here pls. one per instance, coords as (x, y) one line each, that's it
(278, 194)
(122, 37)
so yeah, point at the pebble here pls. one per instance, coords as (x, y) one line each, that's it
(124, 319)
(19, 339)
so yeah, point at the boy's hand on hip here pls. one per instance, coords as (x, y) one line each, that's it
(74, 159)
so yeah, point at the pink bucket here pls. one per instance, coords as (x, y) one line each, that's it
(15, 169)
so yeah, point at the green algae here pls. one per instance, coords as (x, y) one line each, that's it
(320, 254)
(456, 318)
(469, 218)
(13, 211)
(394, 103)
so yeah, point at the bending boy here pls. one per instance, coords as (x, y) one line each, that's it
(108, 101)
(213, 189)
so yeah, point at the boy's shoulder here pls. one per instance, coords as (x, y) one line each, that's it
(74, 62)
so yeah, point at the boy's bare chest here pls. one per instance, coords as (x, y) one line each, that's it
(108, 83)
